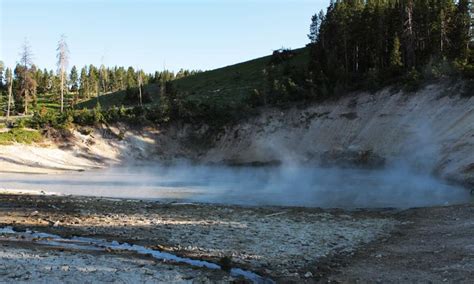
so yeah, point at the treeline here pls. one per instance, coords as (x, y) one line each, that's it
(365, 44)
(21, 87)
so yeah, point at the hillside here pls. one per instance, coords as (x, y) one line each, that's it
(229, 85)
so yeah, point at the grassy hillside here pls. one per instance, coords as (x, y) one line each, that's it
(227, 86)
(118, 98)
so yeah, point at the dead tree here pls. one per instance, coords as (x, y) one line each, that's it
(140, 83)
(63, 60)
(9, 77)
(26, 60)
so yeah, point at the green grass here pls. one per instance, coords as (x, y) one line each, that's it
(18, 135)
(228, 86)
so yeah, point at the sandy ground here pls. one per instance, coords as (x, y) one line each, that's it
(282, 243)
(81, 152)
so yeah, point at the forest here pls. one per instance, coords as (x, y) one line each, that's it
(358, 44)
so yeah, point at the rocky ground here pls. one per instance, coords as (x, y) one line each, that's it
(432, 245)
(281, 243)
(285, 244)
(26, 263)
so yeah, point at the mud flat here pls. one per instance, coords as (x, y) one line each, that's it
(276, 242)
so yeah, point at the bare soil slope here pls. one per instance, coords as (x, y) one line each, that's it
(431, 130)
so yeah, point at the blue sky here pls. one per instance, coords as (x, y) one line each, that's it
(199, 34)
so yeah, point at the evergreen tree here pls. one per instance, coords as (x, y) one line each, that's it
(93, 80)
(84, 84)
(73, 79)
(2, 84)
(131, 78)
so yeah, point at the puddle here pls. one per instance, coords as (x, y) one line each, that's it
(91, 244)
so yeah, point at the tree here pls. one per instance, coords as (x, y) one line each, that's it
(73, 79)
(316, 20)
(9, 81)
(130, 81)
(93, 80)
(120, 78)
(27, 85)
(460, 34)
(140, 83)
(84, 84)
(63, 60)
(1, 74)
(103, 78)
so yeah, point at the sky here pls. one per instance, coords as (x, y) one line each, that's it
(152, 35)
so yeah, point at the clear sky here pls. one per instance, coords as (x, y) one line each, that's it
(190, 34)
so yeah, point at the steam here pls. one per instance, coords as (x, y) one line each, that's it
(294, 185)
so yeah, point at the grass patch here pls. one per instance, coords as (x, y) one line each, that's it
(22, 136)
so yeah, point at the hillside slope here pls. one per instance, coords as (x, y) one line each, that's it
(226, 85)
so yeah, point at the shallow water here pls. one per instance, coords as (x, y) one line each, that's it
(288, 186)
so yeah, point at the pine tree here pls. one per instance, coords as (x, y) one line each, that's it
(2, 85)
(130, 80)
(84, 84)
(73, 79)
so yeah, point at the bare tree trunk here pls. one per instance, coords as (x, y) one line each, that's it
(62, 90)
(140, 87)
(26, 103)
(10, 86)
(408, 33)
(63, 58)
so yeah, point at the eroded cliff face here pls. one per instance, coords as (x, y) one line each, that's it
(431, 130)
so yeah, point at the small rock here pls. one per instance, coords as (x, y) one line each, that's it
(34, 213)
(308, 275)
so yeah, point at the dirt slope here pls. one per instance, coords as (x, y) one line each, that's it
(431, 130)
